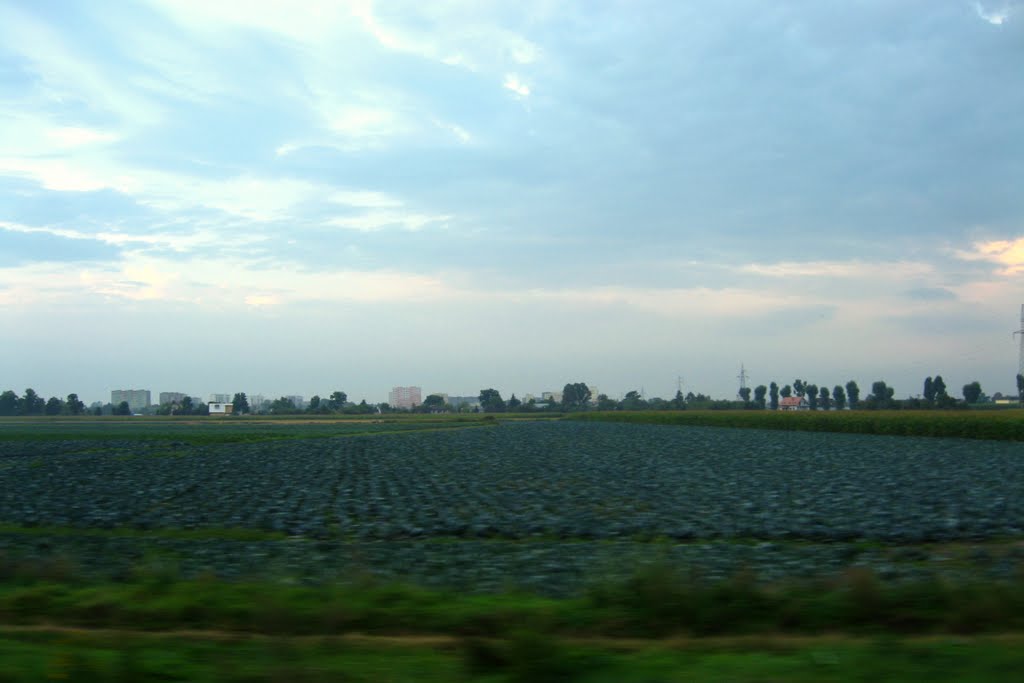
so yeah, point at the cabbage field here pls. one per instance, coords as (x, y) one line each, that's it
(544, 506)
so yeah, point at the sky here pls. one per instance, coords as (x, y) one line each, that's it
(294, 198)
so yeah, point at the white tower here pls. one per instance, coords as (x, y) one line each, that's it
(742, 377)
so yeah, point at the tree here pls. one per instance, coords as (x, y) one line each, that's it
(773, 395)
(337, 400)
(633, 401)
(123, 408)
(186, 407)
(811, 390)
(8, 403)
(942, 398)
(314, 404)
(786, 391)
(759, 393)
(490, 401)
(605, 403)
(31, 403)
(744, 394)
(1020, 389)
(434, 404)
(74, 406)
(853, 394)
(54, 406)
(799, 387)
(678, 402)
(972, 392)
(240, 404)
(881, 395)
(839, 397)
(282, 406)
(929, 390)
(575, 396)
(513, 404)
(823, 394)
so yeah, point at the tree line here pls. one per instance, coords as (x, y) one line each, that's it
(575, 396)
(31, 403)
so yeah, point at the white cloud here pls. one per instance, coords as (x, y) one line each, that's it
(74, 136)
(368, 123)
(513, 83)
(67, 176)
(364, 198)
(995, 17)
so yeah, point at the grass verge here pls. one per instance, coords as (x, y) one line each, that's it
(655, 602)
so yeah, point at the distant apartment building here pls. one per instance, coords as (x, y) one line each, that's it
(220, 398)
(256, 402)
(137, 399)
(405, 397)
(167, 397)
(298, 401)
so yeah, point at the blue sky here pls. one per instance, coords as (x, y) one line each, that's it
(215, 196)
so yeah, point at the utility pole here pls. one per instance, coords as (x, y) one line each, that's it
(1020, 361)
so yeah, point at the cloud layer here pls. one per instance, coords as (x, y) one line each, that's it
(512, 194)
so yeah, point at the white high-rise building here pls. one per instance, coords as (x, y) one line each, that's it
(405, 397)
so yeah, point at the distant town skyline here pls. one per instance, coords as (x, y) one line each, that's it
(208, 196)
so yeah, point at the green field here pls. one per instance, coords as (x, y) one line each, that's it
(469, 548)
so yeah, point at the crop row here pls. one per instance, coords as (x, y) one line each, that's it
(567, 480)
(999, 425)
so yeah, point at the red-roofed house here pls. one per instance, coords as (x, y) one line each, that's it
(793, 403)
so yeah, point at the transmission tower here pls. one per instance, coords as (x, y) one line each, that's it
(742, 377)
(1020, 361)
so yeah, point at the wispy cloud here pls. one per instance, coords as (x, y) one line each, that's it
(372, 221)
(213, 282)
(996, 17)
(1007, 253)
(840, 269)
